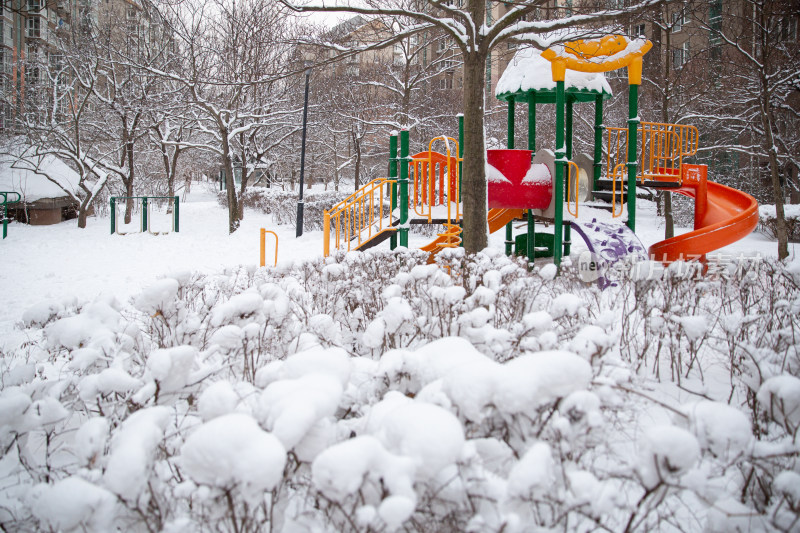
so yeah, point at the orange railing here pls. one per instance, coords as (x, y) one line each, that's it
(660, 152)
(617, 176)
(435, 180)
(573, 179)
(263, 255)
(360, 216)
(661, 149)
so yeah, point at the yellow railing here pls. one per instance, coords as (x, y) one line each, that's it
(360, 216)
(573, 176)
(435, 179)
(661, 148)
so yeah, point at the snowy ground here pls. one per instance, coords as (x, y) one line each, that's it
(53, 262)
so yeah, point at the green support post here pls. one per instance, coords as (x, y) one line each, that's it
(633, 127)
(531, 251)
(393, 175)
(568, 228)
(175, 214)
(510, 145)
(113, 216)
(559, 192)
(511, 123)
(144, 214)
(404, 188)
(598, 140)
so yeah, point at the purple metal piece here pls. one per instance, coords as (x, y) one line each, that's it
(609, 243)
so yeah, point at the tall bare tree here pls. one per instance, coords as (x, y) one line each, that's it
(759, 55)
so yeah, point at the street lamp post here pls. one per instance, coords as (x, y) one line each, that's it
(302, 160)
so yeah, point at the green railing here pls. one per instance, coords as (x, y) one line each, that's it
(145, 211)
(5, 203)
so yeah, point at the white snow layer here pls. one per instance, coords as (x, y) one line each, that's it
(530, 71)
(19, 176)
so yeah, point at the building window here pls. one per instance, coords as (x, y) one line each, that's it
(34, 6)
(446, 82)
(34, 27)
(715, 22)
(787, 28)
(638, 30)
(680, 55)
(678, 21)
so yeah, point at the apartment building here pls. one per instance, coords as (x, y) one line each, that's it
(691, 52)
(32, 61)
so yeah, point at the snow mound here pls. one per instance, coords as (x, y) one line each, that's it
(233, 452)
(537, 378)
(73, 504)
(493, 175)
(721, 429)
(291, 407)
(342, 469)
(133, 450)
(780, 398)
(218, 399)
(668, 452)
(158, 297)
(530, 71)
(533, 473)
(171, 367)
(428, 434)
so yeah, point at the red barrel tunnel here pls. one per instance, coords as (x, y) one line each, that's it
(515, 183)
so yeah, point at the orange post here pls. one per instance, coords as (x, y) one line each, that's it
(263, 245)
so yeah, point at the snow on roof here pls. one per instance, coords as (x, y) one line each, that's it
(530, 71)
(18, 176)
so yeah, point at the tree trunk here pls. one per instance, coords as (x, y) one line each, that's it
(129, 201)
(230, 183)
(767, 122)
(669, 224)
(245, 179)
(335, 166)
(473, 180)
(669, 221)
(357, 173)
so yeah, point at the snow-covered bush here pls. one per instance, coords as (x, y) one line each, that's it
(283, 204)
(373, 392)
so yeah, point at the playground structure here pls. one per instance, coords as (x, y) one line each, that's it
(5, 204)
(425, 188)
(146, 218)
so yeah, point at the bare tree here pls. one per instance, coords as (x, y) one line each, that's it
(757, 50)
(232, 62)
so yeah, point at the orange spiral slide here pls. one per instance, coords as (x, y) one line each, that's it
(722, 216)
